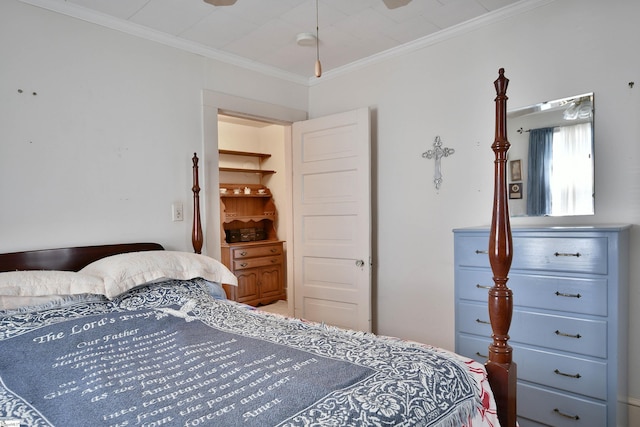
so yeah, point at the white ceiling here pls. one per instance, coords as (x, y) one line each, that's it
(262, 33)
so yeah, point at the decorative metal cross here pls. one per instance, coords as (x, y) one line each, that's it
(438, 152)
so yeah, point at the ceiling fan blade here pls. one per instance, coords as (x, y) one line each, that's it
(220, 2)
(392, 4)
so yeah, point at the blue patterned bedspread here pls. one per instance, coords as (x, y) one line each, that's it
(169, 354)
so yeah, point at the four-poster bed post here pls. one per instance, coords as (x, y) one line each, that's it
(500, 368)
(196, 233)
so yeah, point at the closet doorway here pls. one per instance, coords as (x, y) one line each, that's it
(253, 209)
(355, 266)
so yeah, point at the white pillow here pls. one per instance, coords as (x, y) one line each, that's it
(24, 304)
(49, 282)
(125, 271)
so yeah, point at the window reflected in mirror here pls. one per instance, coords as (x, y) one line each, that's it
(554, 141)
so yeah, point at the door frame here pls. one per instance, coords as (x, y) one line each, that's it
(214, 102)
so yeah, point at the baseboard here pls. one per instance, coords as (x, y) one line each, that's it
(633, 401)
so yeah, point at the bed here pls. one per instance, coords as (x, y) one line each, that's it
(134, 335)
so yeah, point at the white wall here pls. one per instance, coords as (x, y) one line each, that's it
(104, 148)
(559, 49)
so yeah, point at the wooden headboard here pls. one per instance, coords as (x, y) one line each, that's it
(68, 259)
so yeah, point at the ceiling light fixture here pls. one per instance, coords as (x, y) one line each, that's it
(221, 2)
(578, 109)
(392, 4)
(306, 39)
(318, 65)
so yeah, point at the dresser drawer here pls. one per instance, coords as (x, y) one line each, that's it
(474, 284)
(574, 335)
(575, 254)
(523, 422)
(256, 262)
(586, 255)
(567, 294)
(473, 347)
(557, 409)
(257, 251)
(473, 319)
(574, 374)
(571, 334)
(472, 250)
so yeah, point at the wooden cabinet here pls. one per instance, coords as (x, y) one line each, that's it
(253, 211)
(259, 267)
(569, 326)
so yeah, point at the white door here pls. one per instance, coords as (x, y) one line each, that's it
(332, 219)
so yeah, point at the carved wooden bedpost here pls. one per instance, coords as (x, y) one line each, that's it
(501, 369)
(196, 232)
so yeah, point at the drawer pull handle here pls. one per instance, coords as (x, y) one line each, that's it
(485, 322)
(577, 254)
(559, 412)
(484, 356)
(479, 286)
(479, 251)
(243, 253)
(273, 261)
(244, 264)
(562, 334)
(561, 294)
(567, 375)
(273, 250)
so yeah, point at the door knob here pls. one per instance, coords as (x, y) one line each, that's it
(360, 263)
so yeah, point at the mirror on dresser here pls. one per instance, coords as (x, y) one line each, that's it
(551, 158)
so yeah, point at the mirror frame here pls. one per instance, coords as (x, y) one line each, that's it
(544, 114)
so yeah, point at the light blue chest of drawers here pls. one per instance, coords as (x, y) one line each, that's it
(569, 327)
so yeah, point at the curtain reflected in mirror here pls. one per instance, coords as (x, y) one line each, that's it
(555, 141)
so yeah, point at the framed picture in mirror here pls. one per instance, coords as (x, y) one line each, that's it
(515, 166)
(515, 190)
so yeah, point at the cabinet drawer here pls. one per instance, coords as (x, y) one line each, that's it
(575, 335)
(559, 410)
(257, 251)
(574, 374)
(256, 262)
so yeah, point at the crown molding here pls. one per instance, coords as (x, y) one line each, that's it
(432, 39)
(136, 30)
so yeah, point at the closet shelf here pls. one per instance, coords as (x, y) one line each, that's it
(245, 153)
(259, 171)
